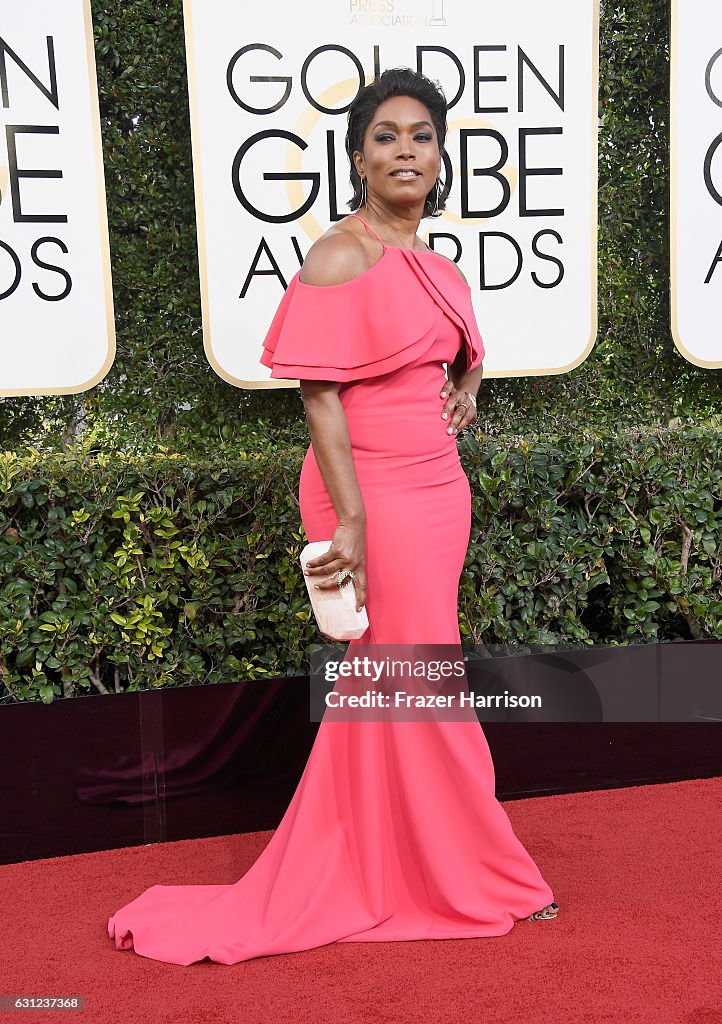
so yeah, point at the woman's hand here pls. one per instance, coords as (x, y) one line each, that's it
(347, 551)
(459, 408)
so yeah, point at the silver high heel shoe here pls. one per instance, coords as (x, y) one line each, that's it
(547, 914)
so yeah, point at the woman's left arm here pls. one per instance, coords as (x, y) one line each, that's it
(459, 390)
(461, 378)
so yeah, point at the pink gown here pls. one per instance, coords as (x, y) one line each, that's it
(394, 831)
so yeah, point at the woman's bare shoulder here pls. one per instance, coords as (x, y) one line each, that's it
(338, 256)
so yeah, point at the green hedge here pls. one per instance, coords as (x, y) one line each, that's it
(124, 573)
(610, 539)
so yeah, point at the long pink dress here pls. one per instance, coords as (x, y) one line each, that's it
(394, 831)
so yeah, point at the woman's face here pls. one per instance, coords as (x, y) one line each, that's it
(400, 158)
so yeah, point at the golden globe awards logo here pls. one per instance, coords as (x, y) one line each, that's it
(696, 180)
(20, 268)
(491, 163)
(269, 104)
(56, 313)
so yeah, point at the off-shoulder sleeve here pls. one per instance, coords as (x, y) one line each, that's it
(375, 323)
(362, 328)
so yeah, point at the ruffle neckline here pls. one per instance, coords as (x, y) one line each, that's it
(372, 324)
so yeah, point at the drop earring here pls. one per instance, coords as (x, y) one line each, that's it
(436, 212)
(364, 195)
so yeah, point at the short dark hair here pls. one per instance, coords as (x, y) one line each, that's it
(395, 82)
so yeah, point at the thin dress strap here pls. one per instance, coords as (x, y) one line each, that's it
(369, 228)
(381, 239)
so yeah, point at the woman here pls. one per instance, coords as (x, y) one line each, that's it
(394, 831)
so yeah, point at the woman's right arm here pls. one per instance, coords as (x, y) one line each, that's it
(332, 449)
(333, 260)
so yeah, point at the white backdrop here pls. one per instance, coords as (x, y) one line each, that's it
(696, 185)
(56, 306)
(258, 74)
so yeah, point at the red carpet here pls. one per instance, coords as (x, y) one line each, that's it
(635, 871)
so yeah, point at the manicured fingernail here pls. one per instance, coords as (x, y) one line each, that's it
(449, 430)
(444, 415)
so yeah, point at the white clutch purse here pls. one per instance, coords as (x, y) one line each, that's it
(335, 608)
